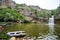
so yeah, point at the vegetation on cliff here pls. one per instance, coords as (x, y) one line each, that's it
(10, 14)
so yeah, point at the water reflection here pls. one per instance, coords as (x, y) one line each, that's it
(34, 30)
(57, 30)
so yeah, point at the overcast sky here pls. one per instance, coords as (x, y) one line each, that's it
(46, 4)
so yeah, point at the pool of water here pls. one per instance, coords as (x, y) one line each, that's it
(34, 30)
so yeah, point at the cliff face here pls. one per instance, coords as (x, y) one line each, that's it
(24, 9)
(31, 10)
(33, 13)
(7, 3)
(57, 19)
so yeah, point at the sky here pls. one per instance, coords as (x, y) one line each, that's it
(45, 4)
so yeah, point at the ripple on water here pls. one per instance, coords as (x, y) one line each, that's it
(48, 37)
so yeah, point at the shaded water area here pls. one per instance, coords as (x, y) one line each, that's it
(32, 30)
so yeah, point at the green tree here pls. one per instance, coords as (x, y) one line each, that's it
(12, 14)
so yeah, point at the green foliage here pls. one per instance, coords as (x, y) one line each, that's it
(20, 5)
(56, 11)
(42, 13)
(7, 13)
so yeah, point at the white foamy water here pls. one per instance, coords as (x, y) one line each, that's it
(51, 35)
(51, 24)
(48, 37)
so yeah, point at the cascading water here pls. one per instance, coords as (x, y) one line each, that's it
(51, 24)
(50, 36)
(51, 28)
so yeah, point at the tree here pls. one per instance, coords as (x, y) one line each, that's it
(12, 14)
(56, 11)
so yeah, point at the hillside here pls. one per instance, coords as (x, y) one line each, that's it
(23, 12)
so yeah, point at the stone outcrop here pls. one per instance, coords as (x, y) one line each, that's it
(57, 19)
(7, 3)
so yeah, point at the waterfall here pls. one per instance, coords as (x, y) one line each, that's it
(51, 24)
(50, 36)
